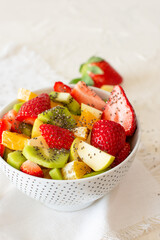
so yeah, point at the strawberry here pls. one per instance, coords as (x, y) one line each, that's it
(57, 137)
(4, 126)
(61, 87)
(10, 116)
(108, 136)
(122, 155)
(119, 109)
(2, 148)
(31, 168)
(30, 109)
(97, 72)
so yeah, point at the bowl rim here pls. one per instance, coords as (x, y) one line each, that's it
(74, 180)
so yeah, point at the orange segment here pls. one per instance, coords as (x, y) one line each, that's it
(75, 170)
(54, 104)
(81, 132)
(76, 117)
(14, 141)
(87, 119)
(25, 95)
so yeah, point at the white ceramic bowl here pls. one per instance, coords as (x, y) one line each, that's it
(69, 195)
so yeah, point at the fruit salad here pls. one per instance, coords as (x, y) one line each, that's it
(68, 134)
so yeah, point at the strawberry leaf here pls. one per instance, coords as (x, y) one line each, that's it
(75, 80)
(95, 59)
(87, 79)
(94, 69)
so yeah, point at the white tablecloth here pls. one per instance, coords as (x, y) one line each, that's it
(64, 34)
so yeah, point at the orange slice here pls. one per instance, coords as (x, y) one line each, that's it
(25, 95)
(14, 141)
(75, 170)
(89, 116)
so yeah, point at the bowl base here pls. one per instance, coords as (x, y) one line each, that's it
(68, 208)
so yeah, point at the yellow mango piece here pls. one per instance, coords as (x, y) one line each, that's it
(35, 130)
(81, 132)
(75, 170)
(14, 141)
(25, 95)
(38, 142)
(107, 88)
(54, 104)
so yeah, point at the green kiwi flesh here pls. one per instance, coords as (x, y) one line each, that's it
(49, 158)
(68, 101)
(15, 159)
(17, 106)
(6, 152)
(56, 174)
(59, 116)
(26, 129)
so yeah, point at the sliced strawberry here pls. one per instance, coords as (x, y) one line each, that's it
(108, 136)
(122, 155)
(30, 110)
(57, 137)
(2, 148)
(119, 109)
(31, 168)
(83, 94)
(4, 126)
(11, 118)
(61, 87)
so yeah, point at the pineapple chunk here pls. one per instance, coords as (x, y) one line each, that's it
(35, 130)
(107, 88)
(81, 132)
(38, 142)
(25, 95)
(75, 170)
(14, 141)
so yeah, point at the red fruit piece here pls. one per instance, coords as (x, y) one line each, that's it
(61, 87)
(30, 109)
(96, 71)
(122, 155)
(84, 94)
(2, 148)
(4, 126)
(11, 118)
(108, 136)
(31, 168)
(119, 109)
(57, 137)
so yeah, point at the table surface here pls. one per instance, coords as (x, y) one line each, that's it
(67, 32)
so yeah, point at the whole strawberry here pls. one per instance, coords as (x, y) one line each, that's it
(122, 155)
(108, 136)
(57, 137)
(30, 109)
(119, 109)
(97, 72)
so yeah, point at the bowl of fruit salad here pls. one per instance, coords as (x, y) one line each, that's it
(67, 146)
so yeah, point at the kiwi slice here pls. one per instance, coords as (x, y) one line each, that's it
(46, 157)
(59, 116)
(6, 152)
(94, 173)
(15, 159)
(56, 174)
(26, 129)
(67, 100)
(17, 106)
